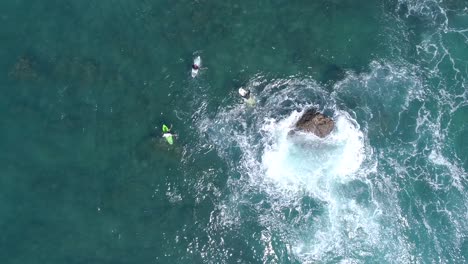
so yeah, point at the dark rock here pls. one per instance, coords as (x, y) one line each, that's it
(315, 122)
(24, 69)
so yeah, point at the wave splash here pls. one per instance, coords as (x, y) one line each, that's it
(313, 196)
(384, 187)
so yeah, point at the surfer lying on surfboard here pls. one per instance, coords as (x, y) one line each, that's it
(168, 135)
(248, 98)
(196, 66)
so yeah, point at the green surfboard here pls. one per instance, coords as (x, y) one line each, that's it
(169, 139)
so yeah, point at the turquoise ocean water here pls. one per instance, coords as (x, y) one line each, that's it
(85, 87)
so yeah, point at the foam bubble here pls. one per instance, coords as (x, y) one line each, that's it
(303, 160)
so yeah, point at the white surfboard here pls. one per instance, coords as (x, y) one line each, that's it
(197, 63)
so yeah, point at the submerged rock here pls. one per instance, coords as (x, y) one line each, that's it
(315, 122)
(25, 68)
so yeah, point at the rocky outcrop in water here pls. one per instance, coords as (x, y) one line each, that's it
(25, 68)
(315, 122)
(75, 69)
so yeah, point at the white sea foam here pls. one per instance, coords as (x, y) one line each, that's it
(352, 201)
(284, 170)
(300, 161)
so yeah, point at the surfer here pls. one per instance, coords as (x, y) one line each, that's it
(248, 98)
(167, 134)
(196, 66)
